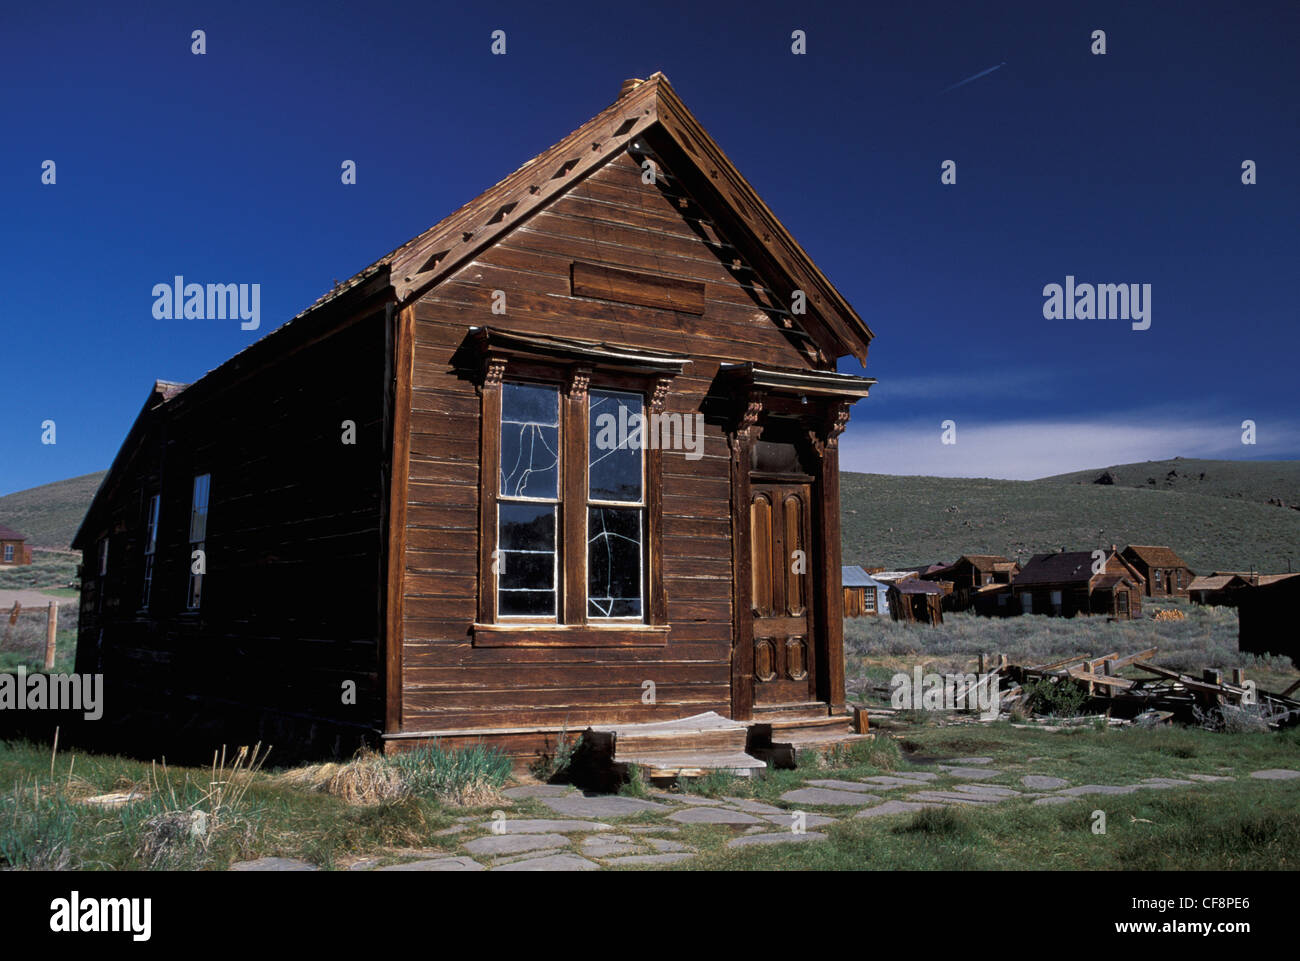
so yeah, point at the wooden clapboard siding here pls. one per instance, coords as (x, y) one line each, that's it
(610, 218)
(292, 604)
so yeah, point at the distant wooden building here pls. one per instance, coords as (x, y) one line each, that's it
(1267, 617)
(1065, 584)
(579, 435)
(13, 549)
(1216, 589)
(1166, 574)
(864, 596)
(917, 601)
(971, 572)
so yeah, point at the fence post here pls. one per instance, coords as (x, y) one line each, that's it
(51, 631)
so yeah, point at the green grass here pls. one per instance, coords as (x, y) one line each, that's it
(1247, 824)
(50, 514)
(49, 571)
(906, 521)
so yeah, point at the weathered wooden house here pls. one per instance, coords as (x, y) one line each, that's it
(1065, 584)
(568, 458)
(864, 596)
(1217, 589)
(917, 601)
(13, 549)
(1266, 614)
(971, 572)
(1166, 574)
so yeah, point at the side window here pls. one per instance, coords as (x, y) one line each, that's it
(198, 541)
(528, 502)
(615, 505)
(150, 545)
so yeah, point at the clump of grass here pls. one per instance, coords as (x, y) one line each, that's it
(176, 826)
(37, 829)
(369, 778)
(635, 785)
(1055, 698)
(471, 777)
(553, 766)
(938, 822)
(713, 784)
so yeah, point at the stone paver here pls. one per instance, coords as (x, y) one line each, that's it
(784, 837)
(437, 864)
(952, 797)
(539, 790)
(1043, 782)
(970, 773)
(650, 859)
(274, 864)
(752, 806)
(1210, 777)
(712, 816)
(971, 760)
(545, 826)
(1275, 774)
(693, 799)
(888, 781)
(987, 790)
(601, 805)
(841, 785)
(828, 798)
(810, 820)
(1099, 789)
(610, 845)
(496, 845)
(1163, 782)
(1054, 800)
(665, 846)
(454, 829)
(654, 829)
(554, 862)
(893, 807)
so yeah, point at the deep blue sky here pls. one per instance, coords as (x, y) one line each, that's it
(1117, 168)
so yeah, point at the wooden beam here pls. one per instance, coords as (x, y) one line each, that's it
(398, 481)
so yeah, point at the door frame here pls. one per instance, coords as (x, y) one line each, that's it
(824, 421)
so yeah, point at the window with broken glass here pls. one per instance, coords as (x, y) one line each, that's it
(532, 551)
(615, 505)
(528, 502)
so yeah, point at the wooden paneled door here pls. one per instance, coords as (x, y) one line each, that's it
(781, 593)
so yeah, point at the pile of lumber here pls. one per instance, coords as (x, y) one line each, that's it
(1162, 695)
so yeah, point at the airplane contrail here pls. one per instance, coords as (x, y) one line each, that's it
(982, 73)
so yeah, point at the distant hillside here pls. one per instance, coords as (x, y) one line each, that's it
(1260, 480)
(1225, 524)
(906, 521)
(50, 514)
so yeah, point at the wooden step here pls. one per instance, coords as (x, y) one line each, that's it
(810, 710)
(674, 764)
(685, 747)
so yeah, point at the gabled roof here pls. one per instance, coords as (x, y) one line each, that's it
(9, 534)
(1153, 556)
(1064, 567)
(642, 106)
(854, 576)
(1217, 582)
(163, 391)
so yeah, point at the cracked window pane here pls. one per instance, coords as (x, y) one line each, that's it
(526, 560)
(614, 446)
(614, 562)
(530, 441)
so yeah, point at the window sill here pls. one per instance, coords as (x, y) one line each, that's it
(580, 635)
